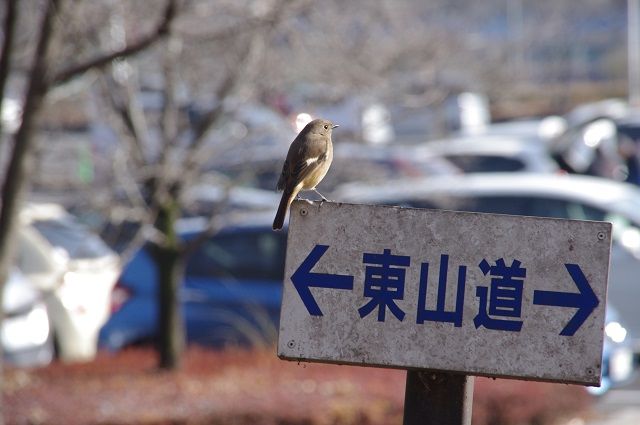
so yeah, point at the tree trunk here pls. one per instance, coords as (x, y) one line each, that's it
(15, 178)
(8, 29)
(170, 262)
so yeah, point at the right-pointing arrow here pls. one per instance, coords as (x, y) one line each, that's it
(303, 279)
(585, 300)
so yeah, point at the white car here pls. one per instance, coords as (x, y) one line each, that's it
(543, 130)
(76, 272)
(25, 332)
(492, 153)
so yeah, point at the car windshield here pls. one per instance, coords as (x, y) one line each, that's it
(243, 255)
(485, 163)
(77, 242)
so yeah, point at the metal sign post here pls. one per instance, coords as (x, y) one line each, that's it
(437, 398)
(445, 295)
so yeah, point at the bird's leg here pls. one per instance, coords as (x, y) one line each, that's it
(321, 195)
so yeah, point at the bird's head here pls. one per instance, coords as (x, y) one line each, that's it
(320, 126)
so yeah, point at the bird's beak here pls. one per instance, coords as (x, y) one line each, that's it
(335, 126)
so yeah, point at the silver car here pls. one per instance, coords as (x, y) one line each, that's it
(25, 333)
(487, 153)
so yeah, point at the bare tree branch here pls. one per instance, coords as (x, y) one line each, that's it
(161, 31)
(194, 161)
(140, 237)
(15, 177)
(8, 30)
(232, 79)
(214, 225)
(120, 100)
(214, 114)
(169, 118)
(127, 182)
(254, 23)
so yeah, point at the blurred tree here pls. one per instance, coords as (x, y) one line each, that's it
(211, 60)
(42, 72)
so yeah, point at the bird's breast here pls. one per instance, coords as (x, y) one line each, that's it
(321, 168)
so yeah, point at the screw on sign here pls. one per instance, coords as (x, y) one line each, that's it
(445, 295)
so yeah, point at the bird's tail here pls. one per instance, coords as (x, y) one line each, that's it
(285, 201)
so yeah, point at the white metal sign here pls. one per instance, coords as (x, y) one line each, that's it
(480, 294)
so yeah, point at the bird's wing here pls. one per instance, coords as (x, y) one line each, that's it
(311, 155)
(304, 156)
(283, 176)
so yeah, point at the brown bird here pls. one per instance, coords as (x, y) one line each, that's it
(308, 160)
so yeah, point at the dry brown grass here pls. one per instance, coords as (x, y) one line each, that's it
(243, 387)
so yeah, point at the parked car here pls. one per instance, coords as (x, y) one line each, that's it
(25, 333)
(544, 195)
(354, 162)
(351, 162)
(543, 130)
(74, 270)
(492, 153)
(230, 295)
(204, 197)
(600, 139)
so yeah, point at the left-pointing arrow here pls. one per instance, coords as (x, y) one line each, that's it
(303, 279)
(585, 301)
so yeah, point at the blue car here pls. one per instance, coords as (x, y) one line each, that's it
(231, 292)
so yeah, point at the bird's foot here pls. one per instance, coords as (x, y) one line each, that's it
(324, 199)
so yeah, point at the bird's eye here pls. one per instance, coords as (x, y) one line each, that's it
(326, 127)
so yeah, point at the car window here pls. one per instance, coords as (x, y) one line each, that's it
(514, 205)
(485, 163)
(242, 255)
(579, 211)
(73, 238)
(440, 202)
(511, 204)
(358, 169)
